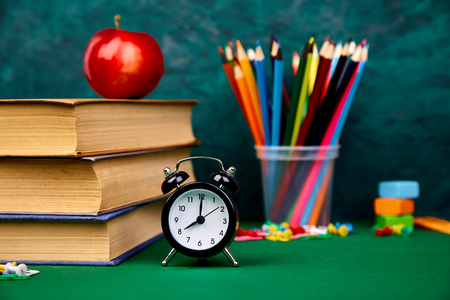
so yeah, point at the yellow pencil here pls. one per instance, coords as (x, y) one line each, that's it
(313, 69)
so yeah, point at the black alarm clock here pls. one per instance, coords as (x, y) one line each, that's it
(199, 219)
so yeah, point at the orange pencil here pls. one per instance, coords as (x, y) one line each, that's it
(228, 69)
(252, 87)
(247, 104)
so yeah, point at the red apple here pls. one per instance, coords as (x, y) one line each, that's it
(123, 64)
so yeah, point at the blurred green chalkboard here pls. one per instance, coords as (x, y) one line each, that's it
(398, 127)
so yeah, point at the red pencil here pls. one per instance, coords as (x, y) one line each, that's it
(314, 101)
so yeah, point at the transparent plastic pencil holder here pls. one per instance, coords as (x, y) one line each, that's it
(297, 183)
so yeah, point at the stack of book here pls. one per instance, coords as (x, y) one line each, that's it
(80, 178)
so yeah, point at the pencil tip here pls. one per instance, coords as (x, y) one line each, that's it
(311, 40)
(220, 50)
(279, 53)
(238, 43)
(258, 44)
(328, 38)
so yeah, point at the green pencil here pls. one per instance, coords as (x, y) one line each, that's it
(302, 97)
(295, 96)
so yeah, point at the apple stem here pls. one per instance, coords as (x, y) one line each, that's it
(117, 21)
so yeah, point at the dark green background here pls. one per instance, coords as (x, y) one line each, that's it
(397, 128)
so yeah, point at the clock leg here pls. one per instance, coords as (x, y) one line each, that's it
(202, 262)
(230, 256)
(169, 257)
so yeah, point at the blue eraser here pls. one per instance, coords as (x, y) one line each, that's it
(398, 189)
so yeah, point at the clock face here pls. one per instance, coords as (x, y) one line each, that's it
(200, 218)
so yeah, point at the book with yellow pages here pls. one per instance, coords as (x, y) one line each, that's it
(86, 127)
(108, 239)
(87, 185)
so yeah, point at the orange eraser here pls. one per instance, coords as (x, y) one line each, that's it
(393, 206)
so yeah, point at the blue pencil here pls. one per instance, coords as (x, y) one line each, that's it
(335, 59)
(351, 96)
(263, 91)
(277, 97)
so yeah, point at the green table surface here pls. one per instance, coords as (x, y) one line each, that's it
(360, 266)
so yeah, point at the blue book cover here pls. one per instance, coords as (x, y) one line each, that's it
(81, 218)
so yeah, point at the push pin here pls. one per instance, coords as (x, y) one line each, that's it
(387, 230)
(284, 236)
(2, 267)
(349, 226)
(342, 231)
(19, 270)
(402, 230)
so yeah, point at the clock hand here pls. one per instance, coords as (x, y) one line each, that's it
(211, 211)
(200, 209)
(200, 219)
(190, 225)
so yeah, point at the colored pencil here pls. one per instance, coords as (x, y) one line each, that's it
(347, 75)
(338, 101)
(323, 166)
(351, 48)
(252, 87)
(327, 105)
(295, 62)
(263, 91)
(228, 69)
(251, 57)
(336, 57)
(229, 54)
(247, 104)
(295, 96)
(324, 48)
(313, 69)
(351, 96)
(325, 84)
(317, 174)
(314, 102)
(286, 183)
(303, 95)
(274, 46)
(288, 176)
(277, 97)
(233, 50)
(273, 51)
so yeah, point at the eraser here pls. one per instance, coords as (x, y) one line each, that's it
(398, 189)
(393, 206)
(383, 220)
